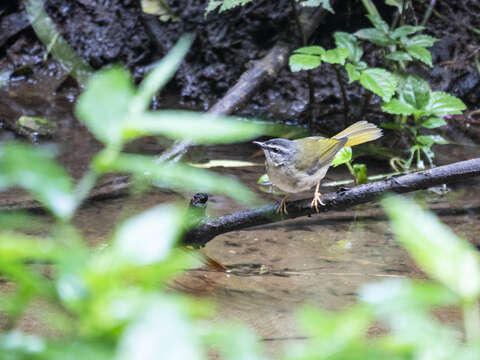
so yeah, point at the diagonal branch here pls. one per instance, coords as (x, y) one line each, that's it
(342, 199)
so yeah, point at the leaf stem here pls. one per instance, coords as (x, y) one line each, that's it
(346, 108)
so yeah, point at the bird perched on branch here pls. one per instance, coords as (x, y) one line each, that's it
(298, 165)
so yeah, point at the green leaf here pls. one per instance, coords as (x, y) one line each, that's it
(375, 36)
(420, 40)
(161, 73)
(399, 56)
(415, 92)
(420, 53)
(429, 140)
(314, 3)
(343, 156)
(178, 176)
(380, 82)
(212, 5)
(439, 252)
(398, 107)
(360, 171)
(434, 122)
(230, 4)
(104, 105)
(148, 336)
(147, 238)
(405, 30)
(311, 50)
(348, 41)
(391, 125)
(298, 62)
(379, 23)
(335, 56)
(352, 72)
(264, 179)
(197, 127)
(395, 3)
(35, 170)
(442, 104)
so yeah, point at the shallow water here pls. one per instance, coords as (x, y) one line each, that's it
(322, 260)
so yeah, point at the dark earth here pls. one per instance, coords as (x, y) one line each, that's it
(225, 46)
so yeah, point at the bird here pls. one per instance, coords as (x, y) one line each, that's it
(298, 165)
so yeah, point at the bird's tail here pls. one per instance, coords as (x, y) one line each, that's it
(359, 133)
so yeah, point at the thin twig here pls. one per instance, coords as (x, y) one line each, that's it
(346, 108)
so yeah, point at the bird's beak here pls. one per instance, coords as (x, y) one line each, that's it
(259, 143)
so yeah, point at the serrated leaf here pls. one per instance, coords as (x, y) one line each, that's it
(420, 53)
(314, 3)
(429, 140)
(343, 156)
(439, 252)
(349, 42)
(310, 50)
(298, 62)
(434, 122)
(406, 30)
(420, 40)
(104, 105)
(375, 36)
(335, 56)
(398, 107)
(379, 23)
(352, 72)
(399, 56)
(380, 82)
(442, 104)
(415, 92)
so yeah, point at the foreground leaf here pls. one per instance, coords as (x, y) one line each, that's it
(380, 82)
(440, 253)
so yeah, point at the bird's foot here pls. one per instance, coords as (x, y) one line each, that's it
(282, 208)
(317, 199)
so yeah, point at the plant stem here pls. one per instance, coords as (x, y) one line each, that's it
(311, 89)
(370, 7)
(402, 14)
(471, 321)
(428, 13)
(366, 103)
(346, 109)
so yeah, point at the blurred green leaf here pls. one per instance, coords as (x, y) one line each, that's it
(148, 238)
(415, 91)
(420, 53)
(360, 171)
(298, 62)
(234, 342)
(162, 330)
(313, 3)
(352, 72)
(348, 41)
(442, 104)
(105, 104)
(311, 50)
(429, 140)
(336, 56)
(434, 122)
(398, 107)
(378, 22)
(380, 82)
(420, 40)
(161, 73)
(399, 56)
(343, 156)
(179, 176)
(46, 31)
(445, 257)
(406, 30)
(375, 36)
(35, 170)
(264, 179)
(197, 127)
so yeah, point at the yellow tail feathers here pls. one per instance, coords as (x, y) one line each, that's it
(359, 133)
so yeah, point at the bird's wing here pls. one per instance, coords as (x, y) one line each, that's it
(321, 150)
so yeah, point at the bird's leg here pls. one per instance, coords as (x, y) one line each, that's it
(282, 208)
(317, 198)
